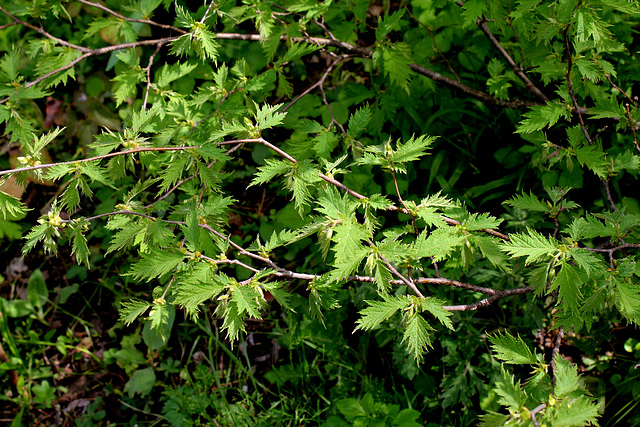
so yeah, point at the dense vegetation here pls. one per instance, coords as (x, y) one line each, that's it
(298, 212)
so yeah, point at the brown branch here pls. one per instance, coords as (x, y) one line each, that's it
(533, 413)
(44, 33)
(404, 280)
(147, 69)
(487, 301)
(570, 86)
(632, 126)
(612, 250)
(483, 96)
(316, 84)
(433, 39)
(90, 159)
(482, 24)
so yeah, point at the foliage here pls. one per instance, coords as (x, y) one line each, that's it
(402, 172)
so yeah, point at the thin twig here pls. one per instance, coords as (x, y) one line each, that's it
(206, 13)
(534, 411)
(572, 94)
(482, 24)
(487, 301)
(433, 39)
(90, 159)
(316, 84)
(632, 126)
(148, 71)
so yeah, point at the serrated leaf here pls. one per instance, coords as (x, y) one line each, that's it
(540, 117)
(270, 170)
(511, 349)
(434, 307)
(125, 84)
(627, 299)
(358, 121)
(387, 23)
(171, 72)
(80, 248)
(528, 202)
(11, 207)
(510, 392)
(531, 244)
(395, 62)
(132, 309)
(245, 298)
(198, 289)
(379, 311)
(155, 264)
(577, 412)
(232, 322)
(416, 336)
(568, 284)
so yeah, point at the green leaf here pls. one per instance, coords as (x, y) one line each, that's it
(528, 202)
(156, 263)
(511, 350)
(232, 322)
(80, 248)
(434, 306)
(566, 378)
(531, 244)
(171, 72)
(416, 336)
(141, 382)
(395, 62)
(510, 392)
(358, 121)
(267, 116)
(577, 412)
(388, 23)
(568, 284)
(10, 206)
(627, 299)
(344, 267)
(270, 170)
(379, 311)
(540, 117)
(132, 309)
(198, 286)
(9, 64)
(246, 299)
(126, 236)
(125, 84)
(348, 236)
(37, 291)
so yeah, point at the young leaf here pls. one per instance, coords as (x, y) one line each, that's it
(155, 264)
(528, 202)
(379, 311)
(434, 306)
(416, 336)
(531, 244)
(132, 309)
(512, 350)
(10, 206)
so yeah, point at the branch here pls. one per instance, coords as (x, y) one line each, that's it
(90, 159)
(482, 24)
(487, 301)
(483, 96)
